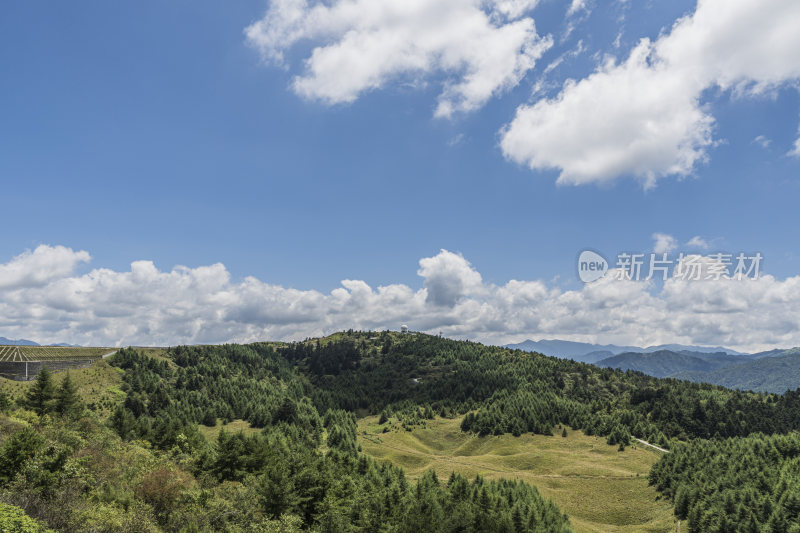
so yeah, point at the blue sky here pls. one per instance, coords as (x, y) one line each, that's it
(161, 132)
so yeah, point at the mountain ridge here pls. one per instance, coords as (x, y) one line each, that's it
(592, 353)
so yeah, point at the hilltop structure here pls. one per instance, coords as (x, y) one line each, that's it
(23, 363)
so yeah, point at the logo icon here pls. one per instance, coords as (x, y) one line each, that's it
(591, 266)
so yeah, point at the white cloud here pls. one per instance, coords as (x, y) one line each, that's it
(762, 141)
(448, 278)
(663, 243)
(203, 305)
(698, 242)
(795, 151)
(642, 117)
(482, 47)
(37, 268)
(575, 6)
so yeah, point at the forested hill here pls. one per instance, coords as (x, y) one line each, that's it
(304, 467)
(512, 390)
(667, 363)
(777, 373)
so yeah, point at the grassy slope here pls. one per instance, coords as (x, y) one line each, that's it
(232, 427)
(97, 384)
(600, 488)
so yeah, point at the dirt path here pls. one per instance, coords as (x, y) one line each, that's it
(651, 445)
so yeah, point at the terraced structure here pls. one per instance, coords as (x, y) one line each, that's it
(24, 362)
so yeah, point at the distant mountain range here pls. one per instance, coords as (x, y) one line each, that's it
(25, 342)
(771, 371)
(592, 353)
(19, 342)
(665, 363)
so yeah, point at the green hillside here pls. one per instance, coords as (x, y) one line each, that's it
(164, 451)
(776, 373)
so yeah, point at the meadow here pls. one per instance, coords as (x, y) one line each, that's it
(601, 488)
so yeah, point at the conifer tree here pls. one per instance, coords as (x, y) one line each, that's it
(68, 403)
(40, 395)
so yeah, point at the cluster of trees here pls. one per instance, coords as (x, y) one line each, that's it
(198, 385)
(523, 411)
(342, 490)
(45, 397)
(748, 484)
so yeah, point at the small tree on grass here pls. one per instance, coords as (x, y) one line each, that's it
(40, 395)
(564, 432)
(68, 403)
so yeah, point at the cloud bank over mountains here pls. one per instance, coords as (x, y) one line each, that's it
(44, 297)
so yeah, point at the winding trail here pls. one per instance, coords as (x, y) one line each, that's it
(651, 445)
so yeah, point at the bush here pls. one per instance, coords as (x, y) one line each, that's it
(14, 520)
(162, 487)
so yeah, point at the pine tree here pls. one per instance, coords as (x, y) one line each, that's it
(123, 422)
(682, 503)
(16, 451)
(564, 432)
(40, 395)
(68, 403)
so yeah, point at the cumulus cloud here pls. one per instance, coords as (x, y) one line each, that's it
(38, 267)
(643, 116)
(480, 47)
(448, 278)
(145, 305)
(663, 243)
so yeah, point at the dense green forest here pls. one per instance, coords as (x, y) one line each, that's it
(747, 484)
(150, 465)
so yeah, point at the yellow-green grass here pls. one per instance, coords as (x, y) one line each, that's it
(233, 426)
(98, 386)
(160, 354)
(599, 487)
